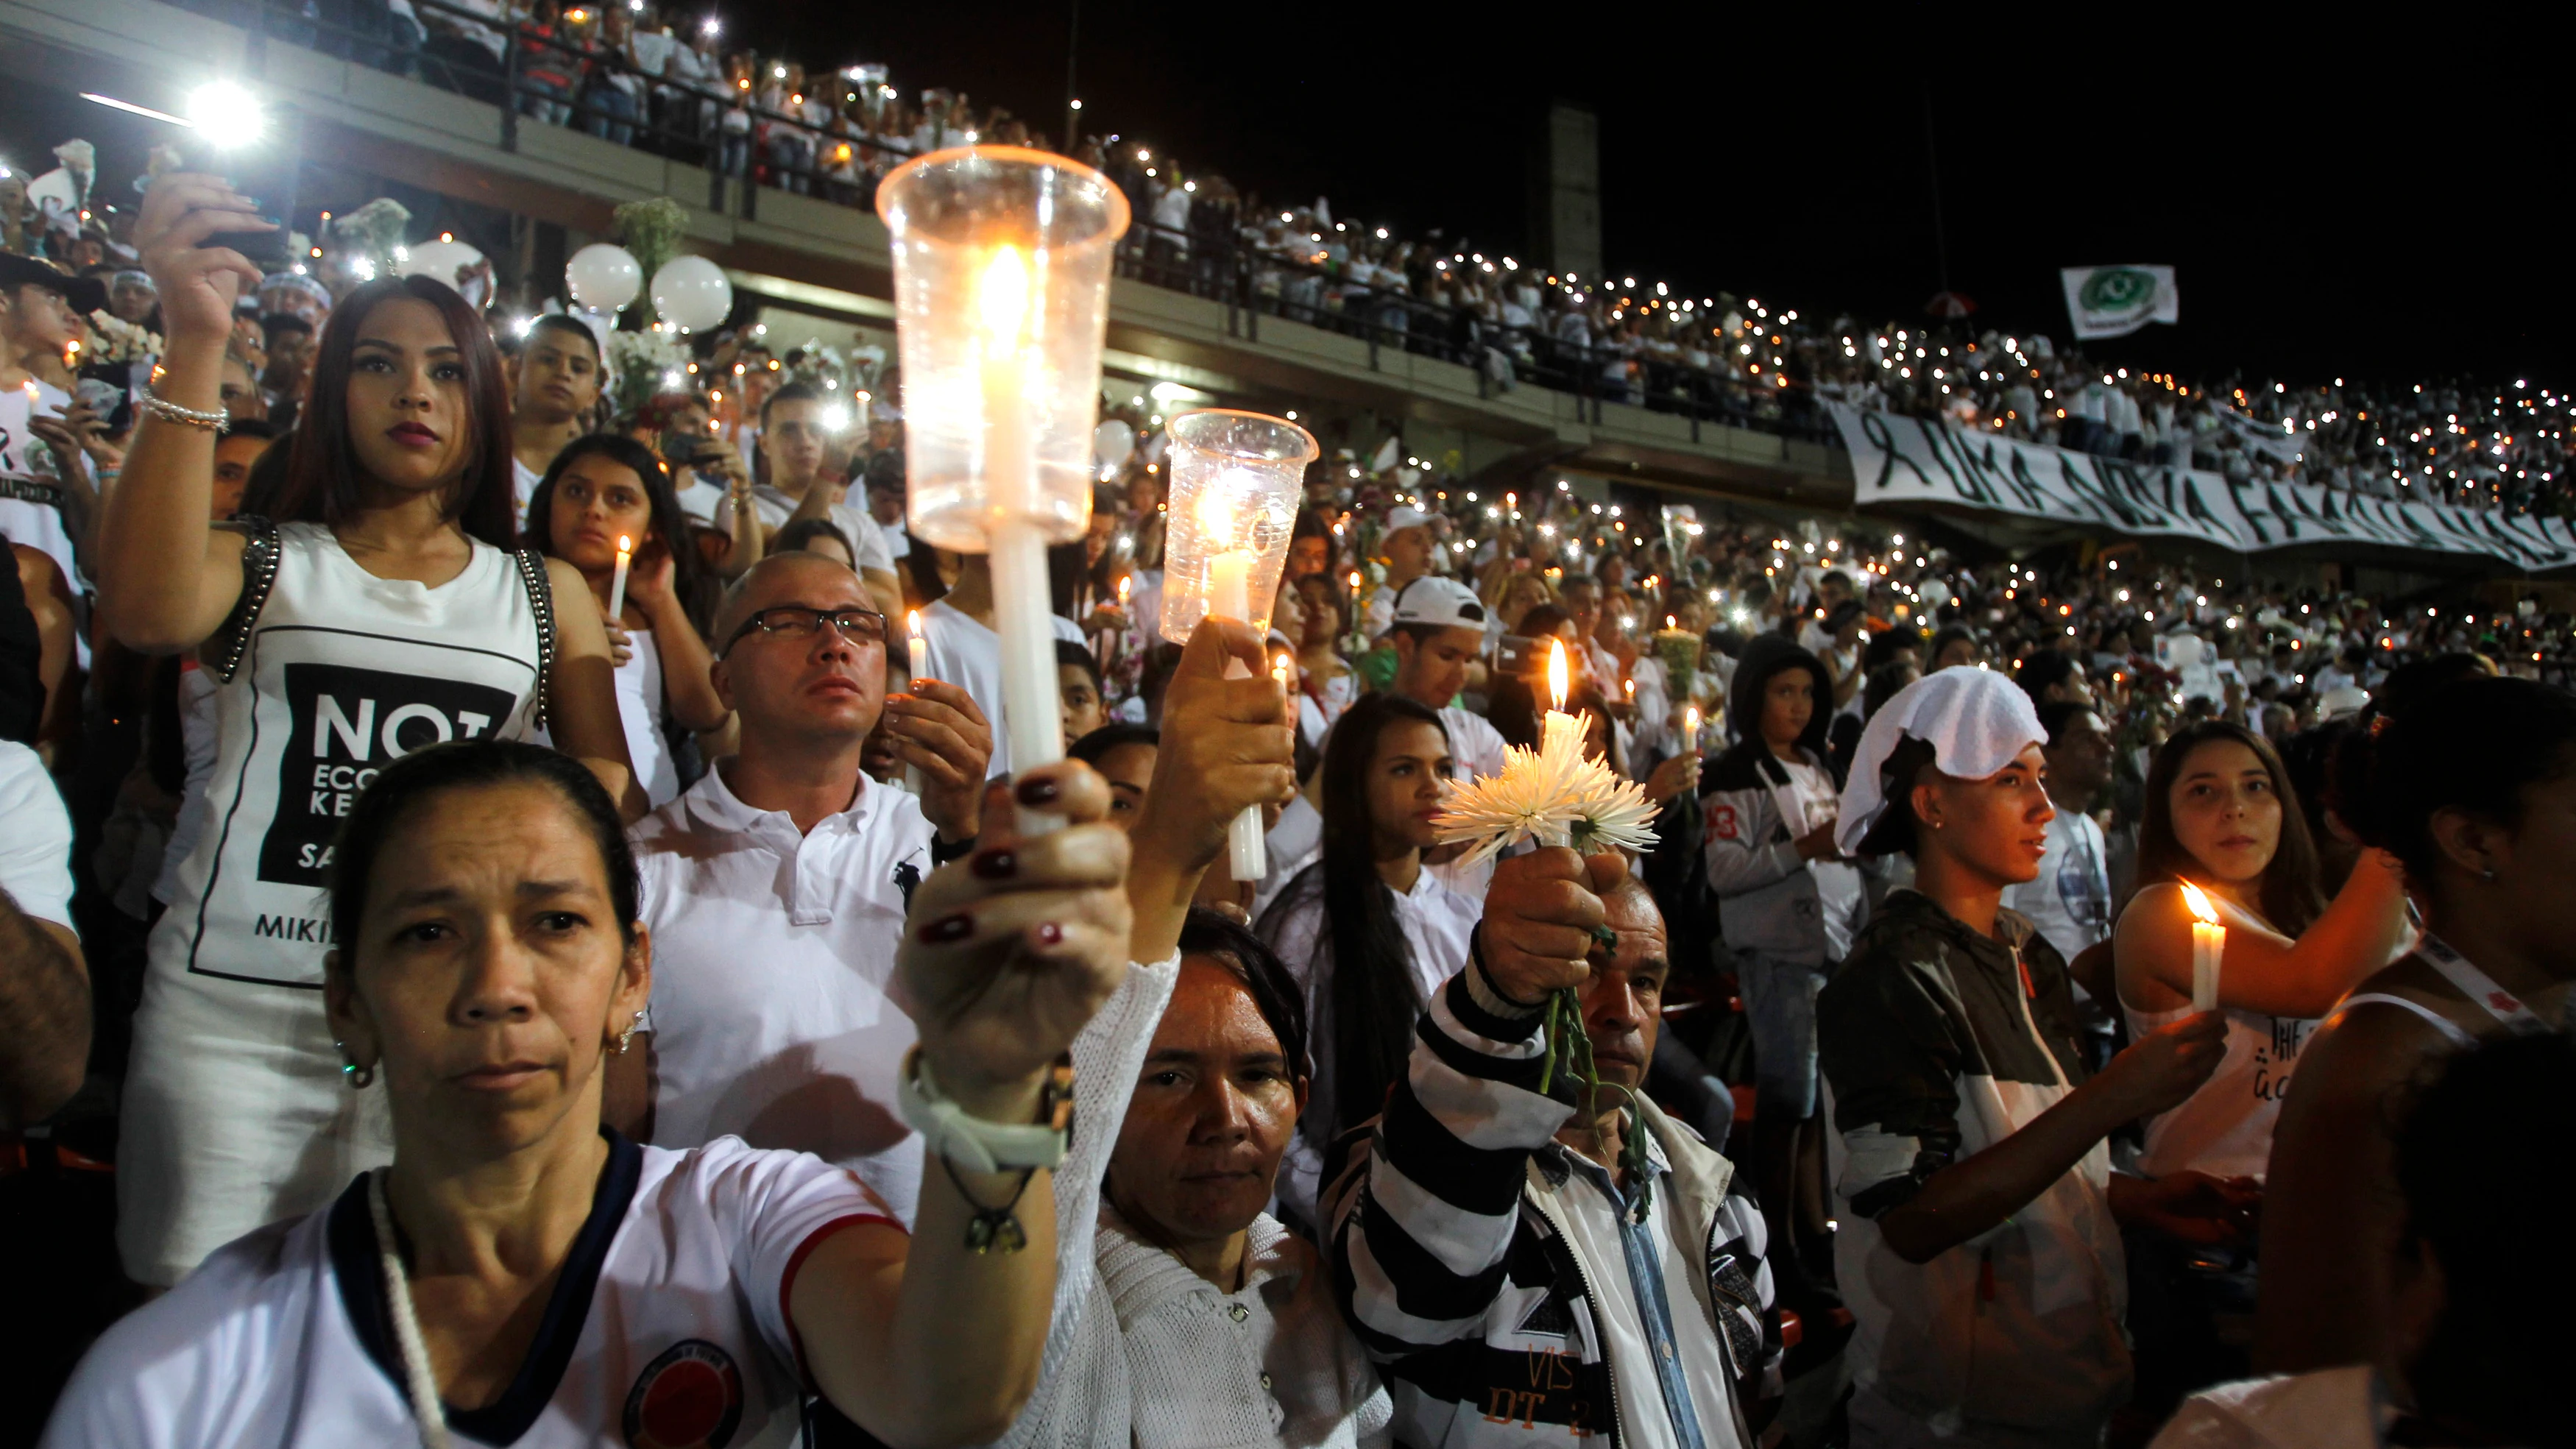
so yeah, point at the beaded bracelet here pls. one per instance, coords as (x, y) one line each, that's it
(217, 421)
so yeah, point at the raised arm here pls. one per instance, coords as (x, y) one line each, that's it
(166, 578)
(1433, 1219)
(1227, 744)
(581, 695)
(1006, 957)
(2258, 972)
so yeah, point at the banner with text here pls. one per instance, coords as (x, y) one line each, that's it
(1903, 460)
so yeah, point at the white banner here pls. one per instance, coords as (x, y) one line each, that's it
(1902, 460)
(2116, 301)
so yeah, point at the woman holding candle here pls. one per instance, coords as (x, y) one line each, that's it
(2472, 786)
(386, 610)
(521, 1275)
(606, 506)
(1368, 932)
(2219, 818)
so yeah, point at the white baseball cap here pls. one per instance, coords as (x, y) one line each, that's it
(1401, 518)
(1440, 603)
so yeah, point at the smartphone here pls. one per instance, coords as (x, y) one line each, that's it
(266, 173)
(1516, 654)
(683, 448)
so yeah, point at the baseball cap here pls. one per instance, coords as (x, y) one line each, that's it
(1440, 603)
(1401, 518)
(86, 294)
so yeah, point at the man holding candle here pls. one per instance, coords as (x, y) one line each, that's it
(1979, 1247)
(776, 886)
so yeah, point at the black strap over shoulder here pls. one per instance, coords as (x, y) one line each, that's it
(541, 599)
(223, 650)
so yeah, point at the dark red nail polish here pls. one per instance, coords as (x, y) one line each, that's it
(1050, 934)
(995, 865)
(1040, 791)
(949, 928)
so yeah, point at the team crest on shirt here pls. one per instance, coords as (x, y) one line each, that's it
(688, 1397)
(1721, 823)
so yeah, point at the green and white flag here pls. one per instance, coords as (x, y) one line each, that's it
(2116, 301)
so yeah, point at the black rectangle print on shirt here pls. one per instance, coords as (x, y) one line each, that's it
(348, 724)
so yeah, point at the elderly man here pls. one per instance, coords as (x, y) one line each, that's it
(776, 886)
(1524, 1261)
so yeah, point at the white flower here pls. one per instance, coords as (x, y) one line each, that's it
(1554, 798)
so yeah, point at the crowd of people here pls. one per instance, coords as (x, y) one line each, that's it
(532, 900)
(633, 75)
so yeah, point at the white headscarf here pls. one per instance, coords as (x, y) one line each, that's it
(1976, 721)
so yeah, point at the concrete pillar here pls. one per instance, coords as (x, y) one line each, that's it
(1565, 191)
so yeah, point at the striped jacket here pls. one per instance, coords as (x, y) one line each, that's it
(1455, 1265)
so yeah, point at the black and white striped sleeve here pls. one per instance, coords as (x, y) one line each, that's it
(1420, 1244)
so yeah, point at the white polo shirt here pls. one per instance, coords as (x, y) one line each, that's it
(966, 654)
(772, 953)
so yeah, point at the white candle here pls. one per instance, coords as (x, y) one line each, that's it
(1032, 707)
(617, 586)
(2208, 948)
(1564, 731)
(1690, 729)
(1230, 597)
(866, 403)
(921, 669)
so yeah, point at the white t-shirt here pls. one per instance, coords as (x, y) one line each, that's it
(523, 487)
(35, 837)
(2070, 902)
(668, 1324)
(968, 655)
(772, 953)
(867, 541)
(30, 499)
(1838, 883)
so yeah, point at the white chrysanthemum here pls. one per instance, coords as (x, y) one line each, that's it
(1552, 798)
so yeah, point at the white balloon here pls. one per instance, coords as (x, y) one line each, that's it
(1113, 443)
(449, 261)
(692, 294)
(603, 277)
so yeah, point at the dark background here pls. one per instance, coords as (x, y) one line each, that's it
(2342, 196)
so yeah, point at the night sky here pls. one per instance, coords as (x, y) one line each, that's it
(2362, 200)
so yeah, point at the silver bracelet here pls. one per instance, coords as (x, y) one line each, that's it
(217, 421)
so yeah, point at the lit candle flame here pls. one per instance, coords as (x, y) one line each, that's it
(1556, 678)
(624, 544)
(1124, 580)
(2199, 903)
(1355, 573)
(1690, 724)
(913, 623)
(1003, 297)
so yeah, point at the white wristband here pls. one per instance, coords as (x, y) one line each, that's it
(949, 1130)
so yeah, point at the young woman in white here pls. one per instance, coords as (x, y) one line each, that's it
(599, 489)
(382, 610)
(522, 1275)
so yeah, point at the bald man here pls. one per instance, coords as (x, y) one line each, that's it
(776, 886)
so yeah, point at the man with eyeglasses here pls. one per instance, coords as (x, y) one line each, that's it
(776, 886)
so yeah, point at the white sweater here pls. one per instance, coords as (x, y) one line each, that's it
(1269, 1366)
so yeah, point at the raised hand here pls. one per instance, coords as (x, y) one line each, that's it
(1227, 744)
(198, 284)
(1009, 952)
(938, 730)
(1541, 912)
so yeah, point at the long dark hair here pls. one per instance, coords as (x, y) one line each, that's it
(690, 581)
(1371, 1000)
(415, 781)
(321, 484)
(2290, 895)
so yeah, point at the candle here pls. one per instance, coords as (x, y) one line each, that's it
(1690, 728)
(617, 586)
(1564, 731)
(866, 405)
(2208, 946)
(912, 776)
(1031, 708)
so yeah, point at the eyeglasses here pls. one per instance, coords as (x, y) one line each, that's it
(800, 621)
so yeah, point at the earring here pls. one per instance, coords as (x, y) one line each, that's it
(626, 1038)
(359, 1078)
(2487, 872)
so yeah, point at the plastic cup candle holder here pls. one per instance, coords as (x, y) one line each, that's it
(1236, 481)
(1001, 290)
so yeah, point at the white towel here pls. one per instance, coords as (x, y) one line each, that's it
(1975, 720)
